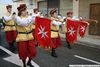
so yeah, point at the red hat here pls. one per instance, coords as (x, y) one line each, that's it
(9, 6)
(36, 9)
(69, 13)
(53, 11)
(21, 7)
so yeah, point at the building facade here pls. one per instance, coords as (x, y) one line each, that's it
(89, 9)
(31, 4)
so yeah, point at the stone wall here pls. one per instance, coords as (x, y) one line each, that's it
(65, 6)
(84, 7)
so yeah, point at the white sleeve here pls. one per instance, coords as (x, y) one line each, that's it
(75, 18)
(22, 22)
(7, 18)
(34, 15)
(56, 23)
(32, 19)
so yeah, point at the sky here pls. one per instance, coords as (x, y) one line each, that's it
(6, 1)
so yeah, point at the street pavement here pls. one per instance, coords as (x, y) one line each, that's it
(78, 55)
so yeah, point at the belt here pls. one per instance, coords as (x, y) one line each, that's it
(25, 32)
(55, 30)
(9, 25)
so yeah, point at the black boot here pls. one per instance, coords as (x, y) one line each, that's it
(36, 44)
(68, 45)
(29, 63)
(53, 53)
(24, 63)
(12, 47)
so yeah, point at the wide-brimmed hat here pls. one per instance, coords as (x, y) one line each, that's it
(69, 12)
(21, 7)
(36, 9)
(53, 11)
(9, 6)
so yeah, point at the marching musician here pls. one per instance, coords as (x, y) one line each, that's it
(9, 28)
(55, 38)
(25, 39)
(69, 16)
(35, 14)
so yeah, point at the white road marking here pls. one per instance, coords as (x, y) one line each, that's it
(84, 65)
(33, 63)
(14, 58)
(6, 50)
(87, 59)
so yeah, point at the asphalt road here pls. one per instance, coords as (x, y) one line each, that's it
(78, 55)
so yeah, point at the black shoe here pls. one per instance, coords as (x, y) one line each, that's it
(30, 64)
(24, 66)
(12, 48)
(69, 47)
(53, 53)
(24, 63)
(36, 45)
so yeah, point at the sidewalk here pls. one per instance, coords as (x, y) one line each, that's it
(93, 41)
